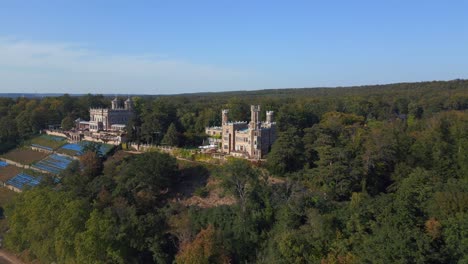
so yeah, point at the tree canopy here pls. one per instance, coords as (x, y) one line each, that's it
(371, 174)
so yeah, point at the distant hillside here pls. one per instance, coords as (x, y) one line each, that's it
(29, 95)
(294, 92)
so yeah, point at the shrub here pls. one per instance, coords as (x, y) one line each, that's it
(202, 192)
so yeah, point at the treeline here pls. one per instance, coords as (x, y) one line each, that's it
(189, 114)
(363, 175)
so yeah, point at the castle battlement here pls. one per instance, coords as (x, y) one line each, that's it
(114, 118)
(248, 139)
(237, 122)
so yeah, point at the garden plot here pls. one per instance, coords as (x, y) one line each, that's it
(8, 172)
(54, 163)
(24, 156)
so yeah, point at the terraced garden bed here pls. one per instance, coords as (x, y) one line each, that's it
(24, 156)
(8, 172)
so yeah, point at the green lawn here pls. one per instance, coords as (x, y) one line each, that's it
(49, 141)
(68, 152)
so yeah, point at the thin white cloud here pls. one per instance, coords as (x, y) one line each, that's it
(61, 67)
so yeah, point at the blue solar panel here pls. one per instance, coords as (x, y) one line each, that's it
(40, 146)
(78, 148)
(22, 180)
(54, 163)
(74, 147)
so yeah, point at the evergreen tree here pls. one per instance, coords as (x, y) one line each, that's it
(172, 137)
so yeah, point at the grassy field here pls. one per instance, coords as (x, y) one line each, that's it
(24, 156)
(49, 141)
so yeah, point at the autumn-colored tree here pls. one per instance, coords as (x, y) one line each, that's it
(347, 258)
(91, 164)
(433, 228)
(204, 249)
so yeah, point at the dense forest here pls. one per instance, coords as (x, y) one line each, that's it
(371, 174)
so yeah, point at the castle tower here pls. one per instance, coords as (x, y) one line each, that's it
(128, 104)
(224, 116)
(115, 103)
(254, 116)
(269, 117)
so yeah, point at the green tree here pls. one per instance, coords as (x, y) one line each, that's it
(172, 137)
(286, 153)
(72, 219)
(239, 178)
(99, 243)
(33, 218)
(156, 118)
(68, 123)
(94, 147)
(9, 134)
(455, 233)
(146, 177)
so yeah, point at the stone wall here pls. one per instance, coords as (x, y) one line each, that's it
(56, 133)
(17, 164)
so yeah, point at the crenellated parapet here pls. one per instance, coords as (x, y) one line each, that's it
(246, 139)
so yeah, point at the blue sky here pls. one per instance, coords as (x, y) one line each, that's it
(161, 47)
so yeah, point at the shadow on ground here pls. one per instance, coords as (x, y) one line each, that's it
(191, 178)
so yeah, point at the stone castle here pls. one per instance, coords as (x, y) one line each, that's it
(105, 119)
(251, 140)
